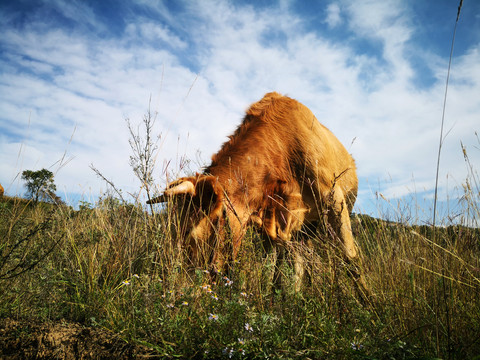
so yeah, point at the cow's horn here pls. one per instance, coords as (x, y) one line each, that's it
(158, 199)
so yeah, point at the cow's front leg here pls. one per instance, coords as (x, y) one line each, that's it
(299, 264)
(339, 218)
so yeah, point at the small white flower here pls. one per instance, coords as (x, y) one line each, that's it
(185, 303)
(207, 288)
(213, 317)
(356, 346)
(248, 327)
(136, 276)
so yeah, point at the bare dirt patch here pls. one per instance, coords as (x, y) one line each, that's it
(64, 340)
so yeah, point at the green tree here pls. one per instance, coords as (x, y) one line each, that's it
(40, 185)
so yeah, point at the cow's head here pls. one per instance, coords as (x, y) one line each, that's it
(205, 221)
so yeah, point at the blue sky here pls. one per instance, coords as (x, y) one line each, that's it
(372, 71)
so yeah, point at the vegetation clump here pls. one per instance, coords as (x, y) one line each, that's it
(114, 267)
(40, 185)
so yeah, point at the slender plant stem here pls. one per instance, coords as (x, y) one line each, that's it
(440, 143)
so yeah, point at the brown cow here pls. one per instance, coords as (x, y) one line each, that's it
(280, 169)
(1, 190)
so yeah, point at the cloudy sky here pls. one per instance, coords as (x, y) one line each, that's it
(372, 71)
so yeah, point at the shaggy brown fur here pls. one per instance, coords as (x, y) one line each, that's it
(279, 169)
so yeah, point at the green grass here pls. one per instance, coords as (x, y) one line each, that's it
(114, 266)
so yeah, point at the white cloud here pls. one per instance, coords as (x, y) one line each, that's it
(155, 33)
(61, 81)
(333, 15)
(76, 11)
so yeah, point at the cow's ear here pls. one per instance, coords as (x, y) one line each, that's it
(208, 195)
(181, 186)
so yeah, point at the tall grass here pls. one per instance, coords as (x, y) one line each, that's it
(113, 265)
(117, 266)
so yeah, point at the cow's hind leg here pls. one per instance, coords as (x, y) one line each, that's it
(299, 265)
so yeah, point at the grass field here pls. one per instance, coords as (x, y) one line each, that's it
(114, 268)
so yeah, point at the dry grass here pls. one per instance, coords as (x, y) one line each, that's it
(117, 267)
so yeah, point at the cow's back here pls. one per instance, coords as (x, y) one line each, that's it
(316, 156)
